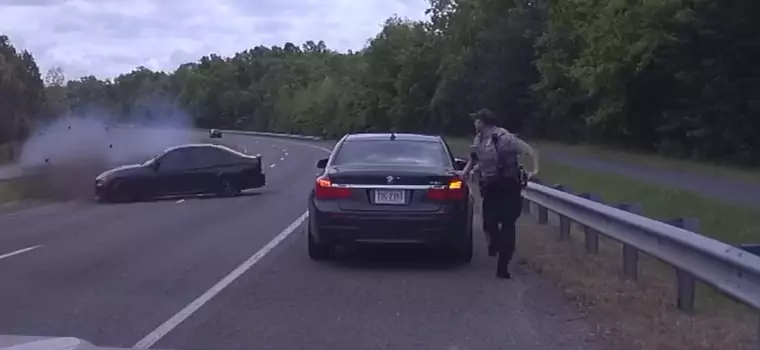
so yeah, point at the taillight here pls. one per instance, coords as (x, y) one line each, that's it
(455, 190)
(326, 190)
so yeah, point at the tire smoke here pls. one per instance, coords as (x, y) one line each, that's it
(60, 160)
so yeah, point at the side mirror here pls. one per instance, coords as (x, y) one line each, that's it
(459, 163)
(322, 163)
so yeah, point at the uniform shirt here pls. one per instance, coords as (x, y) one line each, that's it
(488, 155)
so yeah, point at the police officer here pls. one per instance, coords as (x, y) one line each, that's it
(495, 151)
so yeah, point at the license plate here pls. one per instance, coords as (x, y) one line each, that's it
(390, 197)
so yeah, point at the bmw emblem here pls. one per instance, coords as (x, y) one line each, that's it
(389, 179)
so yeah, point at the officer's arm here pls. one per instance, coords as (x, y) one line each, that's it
(472, 161)
(525, 148)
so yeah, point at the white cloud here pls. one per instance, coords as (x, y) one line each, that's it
(109, 37)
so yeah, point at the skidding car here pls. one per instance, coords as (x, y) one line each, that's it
(390, 188)
(187, 169)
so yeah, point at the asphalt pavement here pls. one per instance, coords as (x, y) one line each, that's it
(233, 273)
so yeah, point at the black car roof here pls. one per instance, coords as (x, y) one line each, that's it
(204, 145)
(387, 136)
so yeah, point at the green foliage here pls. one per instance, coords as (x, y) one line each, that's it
(674, 76)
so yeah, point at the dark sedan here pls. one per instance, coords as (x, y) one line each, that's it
(214, 134)
(182, 170)
(390, 188)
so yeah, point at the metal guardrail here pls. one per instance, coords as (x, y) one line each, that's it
(731, 270)
(272, 134)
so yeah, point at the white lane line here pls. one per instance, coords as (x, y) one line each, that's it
(286, 153)
(272, 166)
(20, 251)
(156, 335)
(180, 201)
(282, 158)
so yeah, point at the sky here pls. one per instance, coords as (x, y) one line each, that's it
(108, 37)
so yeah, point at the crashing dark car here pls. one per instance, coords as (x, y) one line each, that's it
(390, 189)
(214, 134)
(182, 170)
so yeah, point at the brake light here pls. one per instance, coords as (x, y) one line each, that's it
(455, 190)
(326, 190)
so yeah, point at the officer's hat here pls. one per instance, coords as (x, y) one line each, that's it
(485, 115)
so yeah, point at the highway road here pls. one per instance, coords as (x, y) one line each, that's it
(233, 273)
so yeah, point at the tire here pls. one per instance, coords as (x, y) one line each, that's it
(227, 188)
(319, 251)
(122, 193)
(462, 252)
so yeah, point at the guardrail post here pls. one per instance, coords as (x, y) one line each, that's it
(525, 206)
(631, 254)
(591, 235)
(564, 221)
(543, 214)
(686, 285)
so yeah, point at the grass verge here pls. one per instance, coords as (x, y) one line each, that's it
(632, 314)
(726, 222)
(10, 191)
(652, 161)
(6, 153)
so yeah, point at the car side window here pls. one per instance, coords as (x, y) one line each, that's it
(205, 157)
(174, 160)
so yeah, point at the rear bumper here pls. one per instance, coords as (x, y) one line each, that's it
(256, 181)
(388, 228)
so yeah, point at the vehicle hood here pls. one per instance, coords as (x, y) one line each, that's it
(20, 342)
(123, 170)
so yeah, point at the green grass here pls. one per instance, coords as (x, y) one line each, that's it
(653, 161)
(729, 223)
(6, 154)
(10, 191)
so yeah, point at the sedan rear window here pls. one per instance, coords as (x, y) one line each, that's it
(394, 152)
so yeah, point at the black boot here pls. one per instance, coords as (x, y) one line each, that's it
(502, 268)
(492, 250)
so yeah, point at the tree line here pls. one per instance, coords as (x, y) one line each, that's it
(679, 77)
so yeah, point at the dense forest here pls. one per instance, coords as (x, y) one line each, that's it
(680, 77)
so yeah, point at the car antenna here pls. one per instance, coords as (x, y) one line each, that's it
(393, 136)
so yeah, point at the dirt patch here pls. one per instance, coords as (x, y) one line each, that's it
(632, 315)
(73, 180)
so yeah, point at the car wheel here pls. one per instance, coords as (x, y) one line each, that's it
(122, 192)
(319, 251)
(227, 188)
